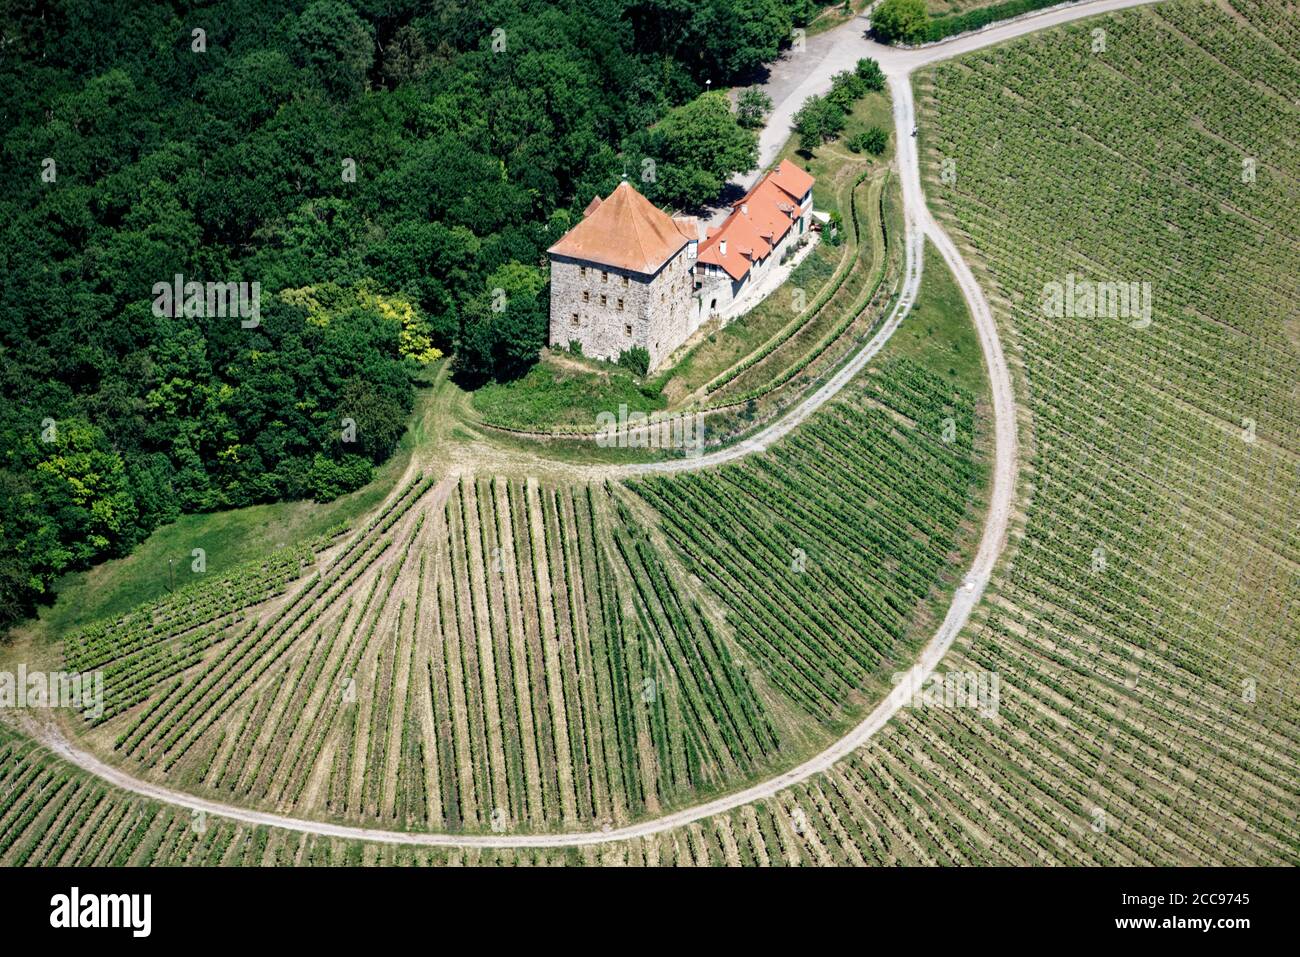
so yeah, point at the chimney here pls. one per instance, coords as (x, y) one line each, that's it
(722, 246)
(744, 209)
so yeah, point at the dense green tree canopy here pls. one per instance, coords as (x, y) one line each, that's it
(399, 159)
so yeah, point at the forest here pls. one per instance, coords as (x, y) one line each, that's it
(385, 174)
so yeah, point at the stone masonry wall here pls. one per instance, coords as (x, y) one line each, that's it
(670, 308)
(654, 314)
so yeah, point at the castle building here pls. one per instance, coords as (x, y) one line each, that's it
(631, 275)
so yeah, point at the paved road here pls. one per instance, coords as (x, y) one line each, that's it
(848, 46)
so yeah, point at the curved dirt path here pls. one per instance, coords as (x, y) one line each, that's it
(920, 225)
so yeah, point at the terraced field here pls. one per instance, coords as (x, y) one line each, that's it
(491, 653)
(818, 336)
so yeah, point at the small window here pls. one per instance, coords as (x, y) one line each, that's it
(582, 271)
(625, 280)
(604, 276)
(603, 300)
(628, 330)
(586, 296)
(575, 318)
(620, 305)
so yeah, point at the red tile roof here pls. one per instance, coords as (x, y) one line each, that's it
(688, 226)
(758, 222)
(795, 181)
(625, 231)
(770, 209)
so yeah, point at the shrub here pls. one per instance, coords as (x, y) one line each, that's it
(953, 24)
(873, 140)
(869, 72)
(751, 106)
(834, 231)
(846, 88)
(636, 360)
(329, 478)
(817, 121)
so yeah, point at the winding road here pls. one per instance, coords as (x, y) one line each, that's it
(848, 46)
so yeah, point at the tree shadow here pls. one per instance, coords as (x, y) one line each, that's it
(758, 75)
(730, 195)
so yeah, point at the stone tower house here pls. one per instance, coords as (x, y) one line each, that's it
(622, 277)
(631, 275)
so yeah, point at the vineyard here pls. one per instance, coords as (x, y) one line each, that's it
(822, 550)
(495, 653)
(53, 814)
(1148, 688)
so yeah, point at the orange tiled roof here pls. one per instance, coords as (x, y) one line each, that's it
(744, 246)
(758, 222)
(770, 209)
(625, 231)
(795, 181)
(688, 226)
